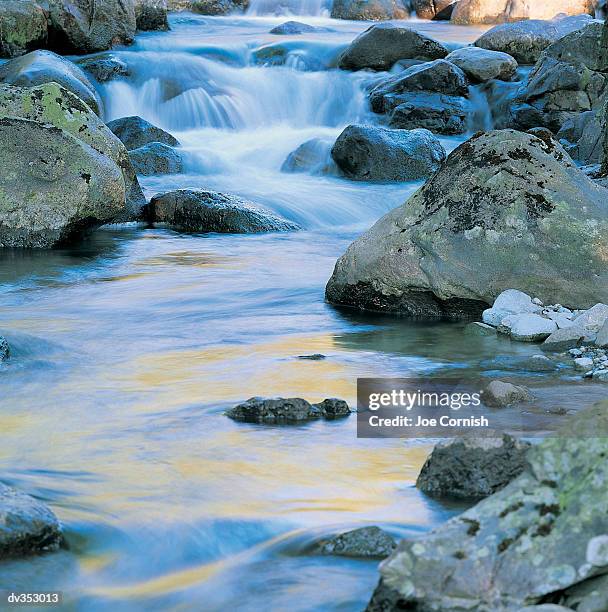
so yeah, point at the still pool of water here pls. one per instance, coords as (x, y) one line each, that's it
(127, 349)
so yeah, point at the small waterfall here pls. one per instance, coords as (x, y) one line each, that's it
(310, 8)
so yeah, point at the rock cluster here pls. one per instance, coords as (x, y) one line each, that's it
(292, 410)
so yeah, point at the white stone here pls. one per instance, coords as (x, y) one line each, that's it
(597, 551)
(602, 336)
(513, 301)
(506, 323)
(583, 363)
(562, 319)
(493, 317)
(531, 328)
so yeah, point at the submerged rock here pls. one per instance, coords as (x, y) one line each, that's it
(40, 67)
(104, 67)
(196, 210)
(295, 27)
(136, 132)
(27, 526)
(535, 539)
(156, 158)
(499, 394)
(482, 65)
(5, 351)
(501, 211)
(369, 10)
(365, 542)
(279, 410)
(384, 44)
(151, 15)
(370, 153)
(472, 467)
(312, 156)
(23, 27)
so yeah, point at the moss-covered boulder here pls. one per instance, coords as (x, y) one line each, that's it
(23, 27)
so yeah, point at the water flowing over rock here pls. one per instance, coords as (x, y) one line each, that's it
(39, 67)
(500, 11)
(280, 410)
(369, 153)
(136, 132)
(540, 536)
(507, 209)
(472, 467)
(151, 15)
(369, 10)
(156, 158)
(312, 156)
(295, 27)
(208, 211)
(104, 67)
(526, 40)
(363, 543)
(27, 526)
(482, 65)
(384, 44)
(23, 27)
(87, 26)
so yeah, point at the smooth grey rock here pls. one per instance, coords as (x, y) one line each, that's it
(312, 156)
(499, 394)
(589, 596)
(365, 542)
(280, 410)
(602, 336)
(531, 328)
(539, 363)
(479, 329)
(196, 210)
(27, 526)
(136, 132)
(369, 10)
(476, 228)
(104, 67)
(156, 158)
(564, 339)
(472, 467)
(295, 27)
(151, 15)
(514, 301)
(5, 351)
(370, 153)
(384, 44)
(23, 27)
(592, 319)
(585, 137)
(482, 64)
(41, 67)
(583, 363)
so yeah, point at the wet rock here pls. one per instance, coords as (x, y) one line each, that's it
(216, 7)
(482, 65)
(5, 351)
(582, 137)
(564, 339)
(472, 467)
(583, 363)
(104, 67)
(531, 328)
(501, 211)
(295, 27)
(499, 394)
(209, 211)
(384, 44)
(369, 10)
(136, 132)
(369, 153)
(87, 26)
(27, 526)
(151, 15)
(539, 363)
(528, 542)
(365, 542)
(23, 27)
(500, 11)
(40, 67)
(526, 40)
(313, 156)
(156, 158)
(313, 357)
(53, 104)
(279, 410)
(480, 329)
(433, 9)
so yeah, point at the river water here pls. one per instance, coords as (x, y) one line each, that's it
(128, 347)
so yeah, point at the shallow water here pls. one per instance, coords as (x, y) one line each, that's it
(128, 347)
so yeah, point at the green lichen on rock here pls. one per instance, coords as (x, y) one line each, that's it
(23, 27)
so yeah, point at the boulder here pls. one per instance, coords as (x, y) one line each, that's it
(5, 351)
(104, 67)
(433, 9)
(582, 137)
(509, 302)
(369, 10)
(40, 67)
(499, 394)
(136, 132)
(87, 26)
(531, 328)
(364, 543)
(526, 40)
(468, 12)
(53, 104)
(156, 158)
(482, 65)
(54, 185)
(151, 15)
(371, 153)
(208, 211)
(279, 410)
(290, 28)
(592, 319)
(530, 542)
(602, 336)
(564, 339)
(27, 526)
(23, 27)
(384, 44)
(472, 467)
(312, 156)
(507, 209)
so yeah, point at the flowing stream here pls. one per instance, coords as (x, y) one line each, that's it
(127, 349)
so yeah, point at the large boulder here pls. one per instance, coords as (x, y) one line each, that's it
(136, 132)
(54, 186)
(23, 27)
(86, 26)
(506, 210)
(53, 104)
(27, 526)
(39, 67)
(371, 153)
(208, 211)
(472, 467)
(151, 15)
(482, 65)
(156, 158)
(369, 10)
(526, 40)
(544, 533)
(384, 44)
(501, 11)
